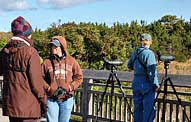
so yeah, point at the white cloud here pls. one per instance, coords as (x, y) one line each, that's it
(43, 1)
(63, 3)
(11, 5)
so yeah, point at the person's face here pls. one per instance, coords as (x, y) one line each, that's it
(56, 50)
(146, 43)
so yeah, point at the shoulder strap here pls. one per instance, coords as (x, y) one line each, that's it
(137, 57)
(52, 63)
(142, 64)
(53, 67)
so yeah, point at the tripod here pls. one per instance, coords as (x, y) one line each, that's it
(110, 80)
(165, 81)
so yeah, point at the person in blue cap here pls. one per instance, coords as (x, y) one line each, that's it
(63, 76)
(145, 82)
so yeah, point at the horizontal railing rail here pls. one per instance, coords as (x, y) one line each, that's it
(93, 88)
(88, 98)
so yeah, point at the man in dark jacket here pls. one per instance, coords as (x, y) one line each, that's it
(23, 92)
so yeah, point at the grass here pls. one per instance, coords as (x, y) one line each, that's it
(183, 68)
(75, 118)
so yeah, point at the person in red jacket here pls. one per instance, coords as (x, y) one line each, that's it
(63, 75)
(23, 85)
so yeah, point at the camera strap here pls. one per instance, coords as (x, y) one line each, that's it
(53, 67)
(137, 57)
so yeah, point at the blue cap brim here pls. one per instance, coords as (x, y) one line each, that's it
(55, 42)
(146, 37)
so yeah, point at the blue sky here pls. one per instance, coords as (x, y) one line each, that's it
(42, 13)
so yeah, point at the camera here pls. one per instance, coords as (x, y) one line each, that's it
(113, 63)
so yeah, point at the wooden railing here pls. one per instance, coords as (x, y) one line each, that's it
(88, 98)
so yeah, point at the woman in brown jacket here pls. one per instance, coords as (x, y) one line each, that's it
(63, 75)
(23, 84)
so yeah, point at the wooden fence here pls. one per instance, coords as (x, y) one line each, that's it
(116, 107)
(88, 98)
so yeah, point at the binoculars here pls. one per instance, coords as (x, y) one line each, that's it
(59, 92)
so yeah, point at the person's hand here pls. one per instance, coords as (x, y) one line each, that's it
(48, 89)
(70, 88)
(67, 87)
(155, 87)
(51, 91)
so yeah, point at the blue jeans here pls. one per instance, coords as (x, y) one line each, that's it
(59, 111)
(144, 109)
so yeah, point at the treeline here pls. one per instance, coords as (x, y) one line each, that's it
(90, 42)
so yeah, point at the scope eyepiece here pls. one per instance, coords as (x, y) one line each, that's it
(114, 63)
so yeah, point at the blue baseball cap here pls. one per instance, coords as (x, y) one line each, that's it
(145, 36)
(55, 42)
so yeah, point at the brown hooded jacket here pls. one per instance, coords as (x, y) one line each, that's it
(67, 71)
(23, 90)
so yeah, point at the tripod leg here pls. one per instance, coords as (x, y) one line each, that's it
(112, 94)
(179, 100)
(102, 97)
(123, 92)
(164, 100)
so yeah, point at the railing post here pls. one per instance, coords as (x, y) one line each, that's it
(90, 102)
(85, 100)
(1, 88)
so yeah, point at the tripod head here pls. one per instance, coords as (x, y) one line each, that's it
(166, 60)
(112, 64)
